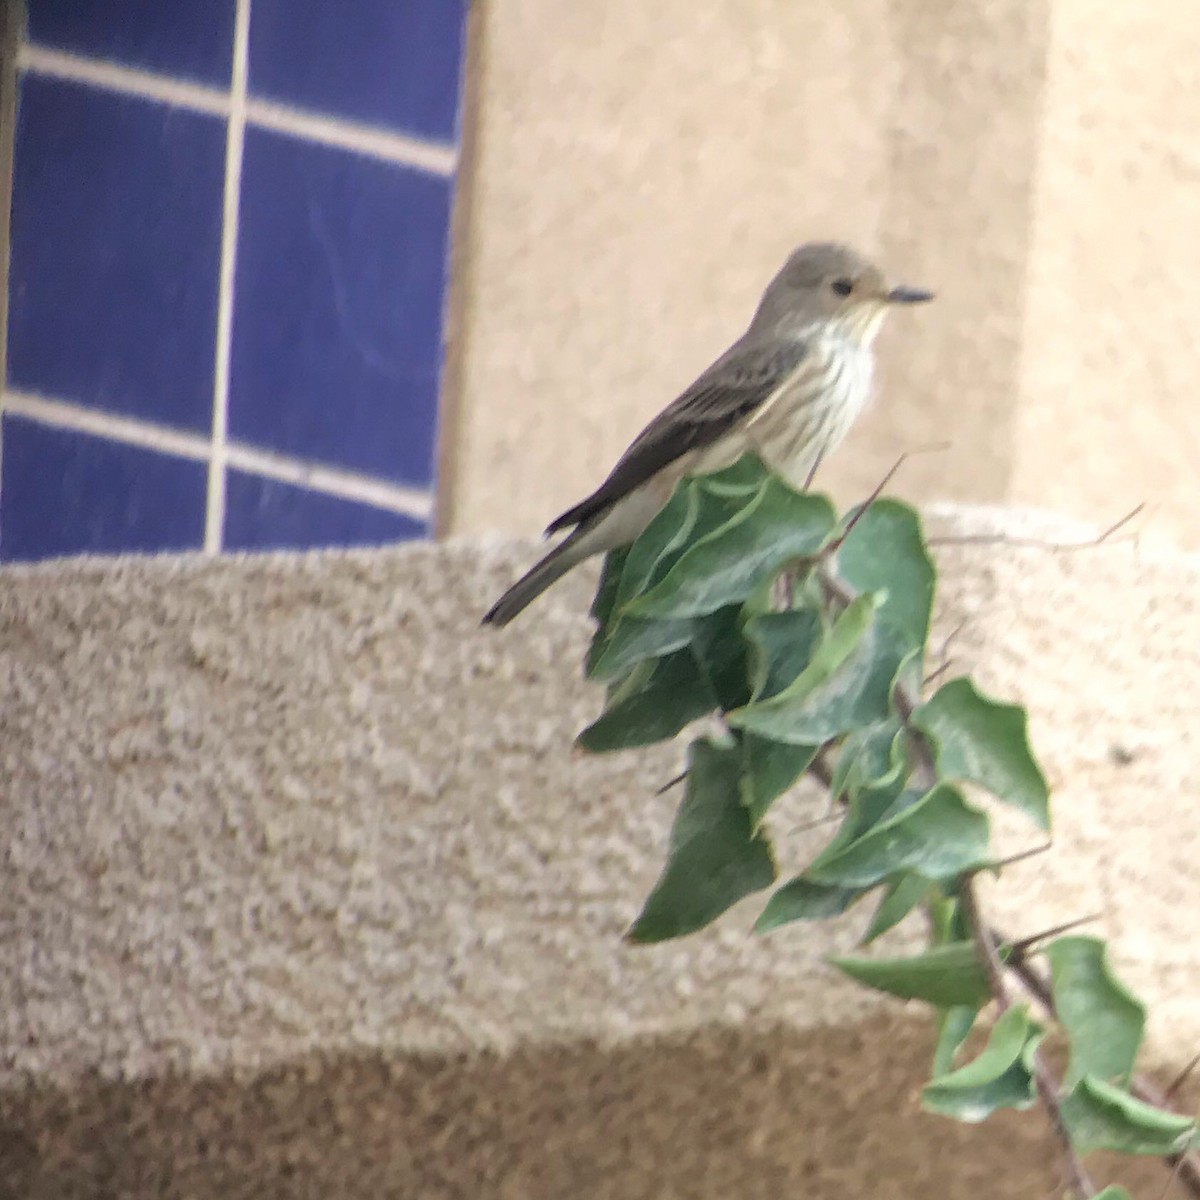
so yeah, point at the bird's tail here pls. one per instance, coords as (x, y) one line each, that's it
(538, 578)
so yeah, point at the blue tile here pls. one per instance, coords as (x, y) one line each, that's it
(63, 492)
(190, 38)
(377, 61)
(116, 236)
(263, 514)
(337, 307)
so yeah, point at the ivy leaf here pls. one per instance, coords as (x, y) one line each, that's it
(739, 481)
(781, 646)
(1103, 1019)
(869, 754)
(947, 976)
(846, 684)
(610, 582)
(939, 836)
(801, 899)
(954, 1026)
(633, 640)
(1100, 1116)
(777, 526)
(653, 702)
(694, 510)
(885, 551)
(658, 547)
(721, 654)
(986, 742)
(903, 894)
(715, 857)
(768, 770)
(998, 1078)
(868, 807)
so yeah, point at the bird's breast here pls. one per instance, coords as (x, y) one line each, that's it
(811, 410)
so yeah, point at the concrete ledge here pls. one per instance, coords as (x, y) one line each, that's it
(307, 894)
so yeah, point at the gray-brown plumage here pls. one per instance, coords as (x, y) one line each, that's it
(789, 388)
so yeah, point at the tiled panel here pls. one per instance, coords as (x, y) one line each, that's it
(116, 229)
(385, 62)
(264, 514)
(188, 38)
(64, 492)
(337, 320)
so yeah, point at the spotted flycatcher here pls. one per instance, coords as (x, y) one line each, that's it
(789, 389)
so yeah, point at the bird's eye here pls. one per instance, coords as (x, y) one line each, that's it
(843, 286)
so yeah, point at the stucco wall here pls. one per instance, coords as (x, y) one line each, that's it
(637, 172)
(306, 892)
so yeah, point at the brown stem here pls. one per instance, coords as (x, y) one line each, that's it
(987, 940)
(1048, 1090)
(1186, 1164)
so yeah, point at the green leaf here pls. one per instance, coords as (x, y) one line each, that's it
(781, 647)
(610, 581)
(693, 511)
(868, 807)
(954, 1026)
(903, 894)
(741, 480)
(776, 527)
(633, 639)
(868, 755)
(1100, 1116)
(768, 770)
(1114, 1191)
(940, 836)
(998, 1078)
(715, 857)
(885, 551)
(652, 703)
(986, 742)
(847, 684)
(947, 976)
(660, 544)
(722, 655)
(1103, 1019)
(698, 506)
(801, 899)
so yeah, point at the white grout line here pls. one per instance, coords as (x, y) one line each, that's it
(436, 158)
(235, 140)
(432, 157)
(42, 61)
(344, 485)
(130, 430)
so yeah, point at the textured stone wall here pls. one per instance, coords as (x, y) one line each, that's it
(306, 892)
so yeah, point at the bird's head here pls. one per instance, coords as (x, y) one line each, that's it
(829, 284)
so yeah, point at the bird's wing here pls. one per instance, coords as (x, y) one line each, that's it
(742, 379)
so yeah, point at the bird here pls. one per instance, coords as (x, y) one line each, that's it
(788, 389)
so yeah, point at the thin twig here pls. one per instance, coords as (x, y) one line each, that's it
(1182, 1078)
(987, 940)
(1001, 539)
(1186, 1165)
(860, 512)
(986, 947)
(1048, 1090)
(666, 787)
(1021, 948)
(998, 864)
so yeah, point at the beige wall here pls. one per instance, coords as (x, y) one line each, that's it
(637, 172)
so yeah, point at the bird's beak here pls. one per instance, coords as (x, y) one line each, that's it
(908, 295)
